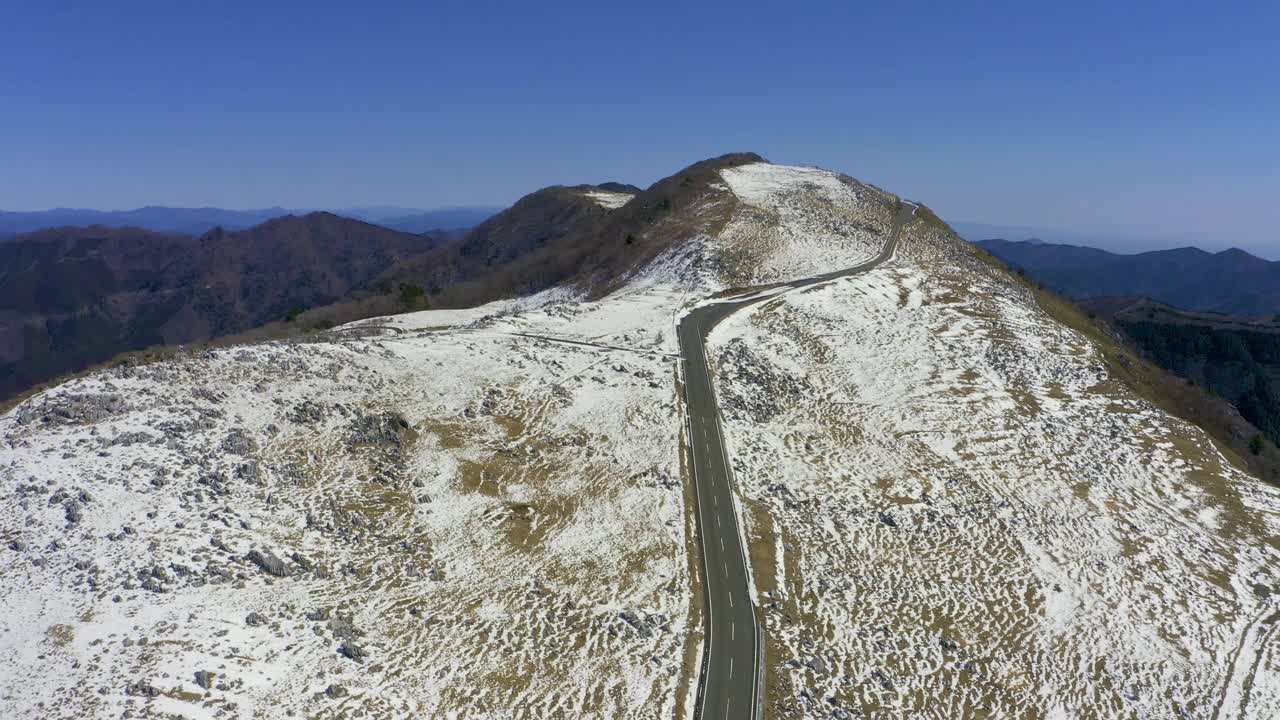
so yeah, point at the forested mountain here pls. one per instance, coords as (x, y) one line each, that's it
(71, 297)
(1236, 358)
(1230, 281)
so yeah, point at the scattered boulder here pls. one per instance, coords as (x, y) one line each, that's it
(142, 688)
(73, 512)
(268, 563)
(255, 620)
(204, 679)
(238, 442)
(250, 472)
(353, 650)
(69, 408)
(388, 429)
(335, 691)
(308, 412)
(882, 679)
(342, 626)
(636, 623)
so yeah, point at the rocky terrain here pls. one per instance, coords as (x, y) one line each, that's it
(483, 512)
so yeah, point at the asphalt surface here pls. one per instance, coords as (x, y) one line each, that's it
(732, 682)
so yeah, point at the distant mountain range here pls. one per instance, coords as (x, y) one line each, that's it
(1123, 243)
(421, 221)
(74, 295)
(196, 221)
(1231, 281)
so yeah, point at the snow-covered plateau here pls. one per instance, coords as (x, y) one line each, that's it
(952, 510)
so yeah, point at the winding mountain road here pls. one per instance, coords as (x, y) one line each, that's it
(732, 678)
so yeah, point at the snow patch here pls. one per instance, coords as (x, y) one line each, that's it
(610, 200)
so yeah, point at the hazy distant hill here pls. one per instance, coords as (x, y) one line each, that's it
(1231, 281)
(160, 219)
(459, 218)
(195, 221)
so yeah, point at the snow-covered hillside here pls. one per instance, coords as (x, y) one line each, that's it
(959, 513)
(419, 521)
(482, 513)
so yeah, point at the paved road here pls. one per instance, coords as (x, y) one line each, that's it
(732, 680)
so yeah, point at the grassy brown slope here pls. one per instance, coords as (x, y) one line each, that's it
(481, 259)
(557, 236)
(669, 212)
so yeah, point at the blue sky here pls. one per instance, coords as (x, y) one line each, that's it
(1158, 121)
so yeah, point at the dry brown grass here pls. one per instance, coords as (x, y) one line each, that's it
(60, 635)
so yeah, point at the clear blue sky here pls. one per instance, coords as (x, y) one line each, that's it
(1160, 119)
